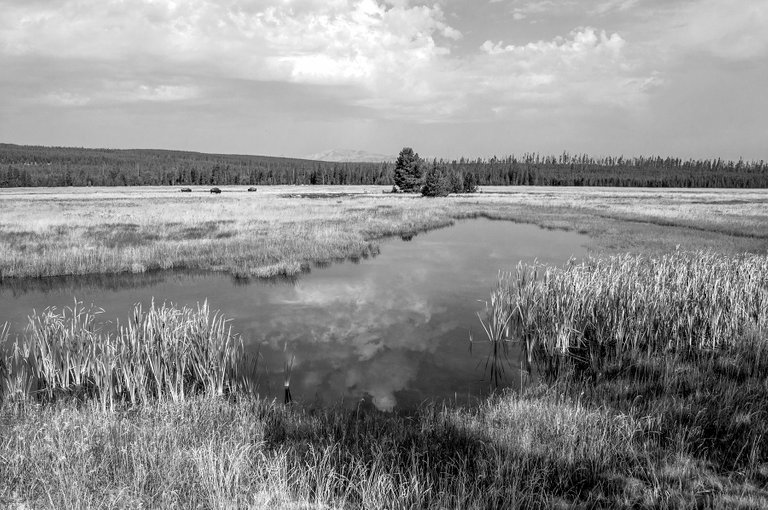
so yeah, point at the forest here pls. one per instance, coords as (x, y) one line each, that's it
(25, 166)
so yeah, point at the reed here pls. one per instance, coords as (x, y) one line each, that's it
(615, 311)
(163, 352)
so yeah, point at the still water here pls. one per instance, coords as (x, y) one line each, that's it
(391, 331)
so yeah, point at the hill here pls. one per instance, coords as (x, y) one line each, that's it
(351, 156)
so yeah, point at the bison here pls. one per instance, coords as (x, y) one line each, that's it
(215, 190)
(186, 190)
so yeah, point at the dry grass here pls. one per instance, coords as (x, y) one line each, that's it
(283, 230)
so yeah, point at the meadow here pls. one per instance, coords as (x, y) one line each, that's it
(284, 230)
(649, 362)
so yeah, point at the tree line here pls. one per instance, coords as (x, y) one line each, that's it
(66, 166)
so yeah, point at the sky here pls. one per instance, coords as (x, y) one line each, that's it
(450, 78)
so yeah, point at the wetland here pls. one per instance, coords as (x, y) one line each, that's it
(389, 330)
(649, 348)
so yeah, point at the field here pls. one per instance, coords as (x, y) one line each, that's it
(280, 230)
(650, 361)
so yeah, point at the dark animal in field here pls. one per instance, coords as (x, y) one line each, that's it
(251, 189)
(186, 190)
(215, 190)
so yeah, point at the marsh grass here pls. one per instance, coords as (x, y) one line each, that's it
(164, 352)
(547, 447)
(618, 311)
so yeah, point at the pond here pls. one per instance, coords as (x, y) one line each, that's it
(389, 331)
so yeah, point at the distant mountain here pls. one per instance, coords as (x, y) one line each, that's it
(350, 156)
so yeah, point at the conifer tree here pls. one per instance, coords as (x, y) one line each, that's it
(408, 171)
(436, 181)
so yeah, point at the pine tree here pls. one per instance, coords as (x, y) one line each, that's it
(470, 183)
(436, 181)
(408, 171)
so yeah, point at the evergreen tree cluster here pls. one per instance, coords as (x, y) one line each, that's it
(439, 181)
(63, 166)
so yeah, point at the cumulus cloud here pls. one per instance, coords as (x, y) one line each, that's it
(323, 42)
(396, 58)
(587, 67)
(582, 43)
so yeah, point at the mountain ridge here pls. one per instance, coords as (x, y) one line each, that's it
(350, 156)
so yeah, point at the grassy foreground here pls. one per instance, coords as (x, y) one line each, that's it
(656, 402)
(698, 441)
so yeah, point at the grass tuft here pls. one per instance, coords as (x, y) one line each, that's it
(163, 352)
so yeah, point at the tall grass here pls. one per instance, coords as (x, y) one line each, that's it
(621, 309)
(164, 352)
(535, 450)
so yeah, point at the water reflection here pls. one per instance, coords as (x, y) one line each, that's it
(391, 330)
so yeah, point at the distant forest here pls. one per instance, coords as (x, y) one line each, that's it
(64, 166)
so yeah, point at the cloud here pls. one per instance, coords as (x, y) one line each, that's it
(525, 9)
(583, 42)
(396, 59)
(588, 67)
(614, 5)
(321, 42)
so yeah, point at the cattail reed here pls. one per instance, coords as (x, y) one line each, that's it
(163, 352)
(616, 310)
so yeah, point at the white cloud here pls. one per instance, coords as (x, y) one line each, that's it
(395, 58)
(588, 67)
(582, 43)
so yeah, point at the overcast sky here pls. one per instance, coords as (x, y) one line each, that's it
(474, 77)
